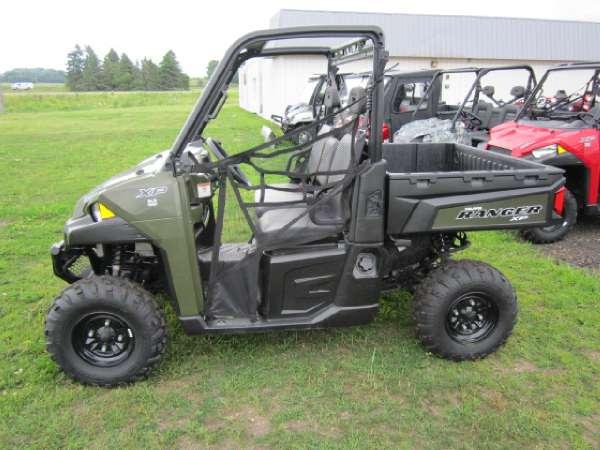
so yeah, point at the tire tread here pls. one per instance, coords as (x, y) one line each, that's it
(118, 290)
(435, 286)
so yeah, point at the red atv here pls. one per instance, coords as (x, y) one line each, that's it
(560, 129)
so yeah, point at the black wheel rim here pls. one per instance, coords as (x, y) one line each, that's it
(103, 339)
(471, 317)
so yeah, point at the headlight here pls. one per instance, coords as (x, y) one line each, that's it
(545, 152)
(100, 212)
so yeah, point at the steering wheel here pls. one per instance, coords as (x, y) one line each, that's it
(236, 172)
(473, 119)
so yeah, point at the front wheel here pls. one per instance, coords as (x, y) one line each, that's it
(105, 331)
(464, 310)
(555, 233)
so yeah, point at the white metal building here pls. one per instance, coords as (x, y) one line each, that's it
(417, 42)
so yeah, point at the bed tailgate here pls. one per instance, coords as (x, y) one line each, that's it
(518, 195)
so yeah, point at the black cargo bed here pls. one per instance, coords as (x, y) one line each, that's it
(443, 187)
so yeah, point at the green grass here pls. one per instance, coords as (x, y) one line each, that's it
(73, 101)
(372, 386)
(37, 88)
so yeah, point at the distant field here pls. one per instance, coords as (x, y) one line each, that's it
(56, 97)
(38, 88)
(368, 387)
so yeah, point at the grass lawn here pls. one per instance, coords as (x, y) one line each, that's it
(363, 387)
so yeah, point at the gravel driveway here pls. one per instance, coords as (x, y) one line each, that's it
(581, 247)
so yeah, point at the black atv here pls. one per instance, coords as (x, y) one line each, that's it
(331, 223)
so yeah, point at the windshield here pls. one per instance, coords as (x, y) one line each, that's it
(565, 93)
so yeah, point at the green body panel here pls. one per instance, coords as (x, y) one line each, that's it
(151, 199)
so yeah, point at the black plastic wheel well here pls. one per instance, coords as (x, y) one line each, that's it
(577, 182)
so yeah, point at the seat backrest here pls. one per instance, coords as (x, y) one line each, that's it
(496, 117)
(358, 99)
(316, 152)
(484, 112)
(483, 106)
(336, 157)
(510, 112)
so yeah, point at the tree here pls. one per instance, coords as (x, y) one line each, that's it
(138, 79)
(126, 74)
(210, 67)
(90, 79)
(110, 71)
(150, 75)
(75, 63)
(37, 75)
(171, 76)
(85, 72)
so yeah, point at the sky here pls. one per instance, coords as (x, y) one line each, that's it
(40, 33)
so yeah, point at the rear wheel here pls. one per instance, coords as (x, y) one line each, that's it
(305, 136)
(554, 233)
(464, 310)
(105, 331)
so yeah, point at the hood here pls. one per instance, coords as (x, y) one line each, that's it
(149, 165)
(521, 139)
(300, 112)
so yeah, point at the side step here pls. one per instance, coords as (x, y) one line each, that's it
(331, 316)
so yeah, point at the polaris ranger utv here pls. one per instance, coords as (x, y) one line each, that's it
(331, 224)
(413, 96)
(562, 130)
(482, 107)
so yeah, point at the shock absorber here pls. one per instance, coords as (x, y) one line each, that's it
(116, 265)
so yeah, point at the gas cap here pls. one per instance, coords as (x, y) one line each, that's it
(365, 265)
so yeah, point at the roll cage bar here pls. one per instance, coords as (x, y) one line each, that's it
(253, 45)
(564, 67)
(435, 77)
(476, 87)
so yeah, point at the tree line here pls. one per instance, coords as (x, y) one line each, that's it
(85, 72)
(37, 75)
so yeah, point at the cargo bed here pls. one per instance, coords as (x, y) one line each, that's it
(445, 187)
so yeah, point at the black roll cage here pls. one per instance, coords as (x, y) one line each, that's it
(435, 77)
(476, 87)
(562, 67)
(252, 45)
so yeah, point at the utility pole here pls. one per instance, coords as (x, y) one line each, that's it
(1, 101)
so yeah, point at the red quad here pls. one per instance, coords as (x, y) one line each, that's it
(562, 130)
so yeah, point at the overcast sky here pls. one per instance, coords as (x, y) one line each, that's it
(38, 33)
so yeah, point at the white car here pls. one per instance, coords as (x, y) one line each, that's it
(25, 86)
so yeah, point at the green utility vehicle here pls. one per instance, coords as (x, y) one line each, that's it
(331, 224)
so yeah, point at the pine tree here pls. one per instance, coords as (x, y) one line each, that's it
(138, 79)
(75, 62)
(126, 74)
(150, 75)
(90, 78)
(171, 76)
(110, 71)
